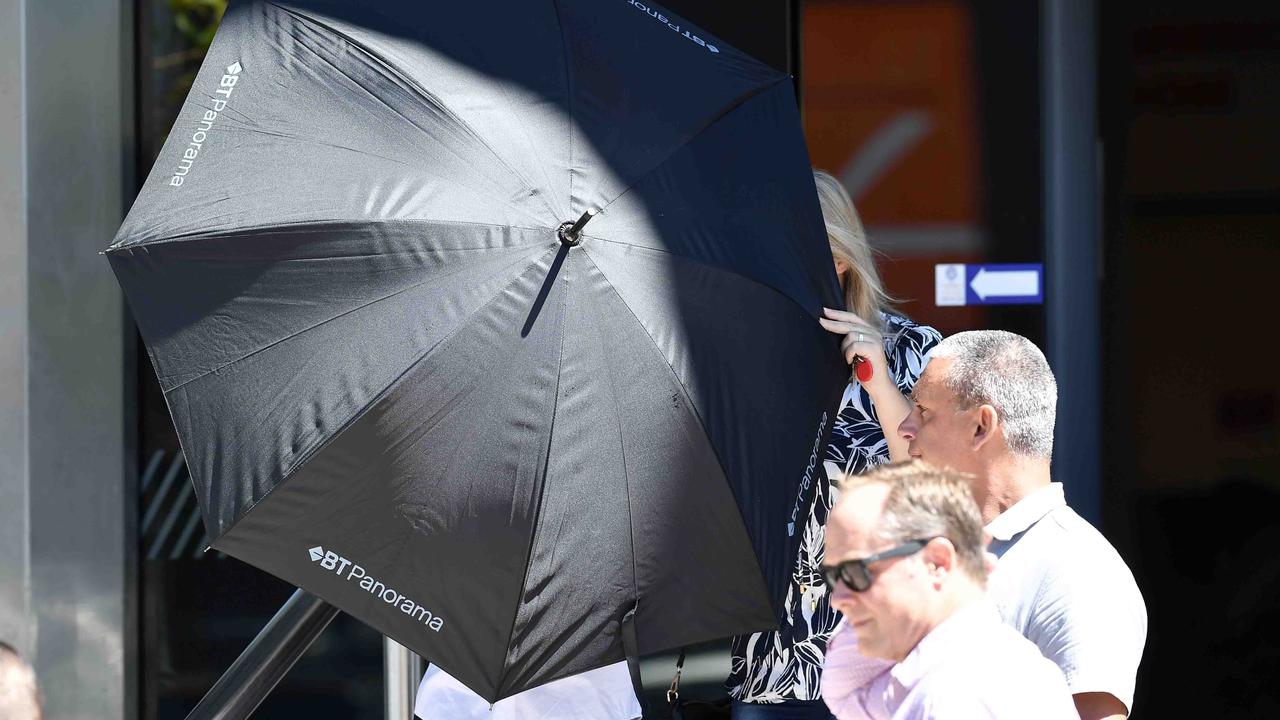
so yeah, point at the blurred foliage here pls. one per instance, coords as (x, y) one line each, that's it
(198, 20)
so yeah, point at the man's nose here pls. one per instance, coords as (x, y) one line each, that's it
(907, 428)
(841, 596)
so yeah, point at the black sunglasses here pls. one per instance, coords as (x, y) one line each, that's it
(857, 576)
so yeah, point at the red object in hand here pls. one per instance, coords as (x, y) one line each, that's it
(862, 369)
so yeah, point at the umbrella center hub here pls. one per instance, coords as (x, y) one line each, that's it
(570, 231)
(567, 236)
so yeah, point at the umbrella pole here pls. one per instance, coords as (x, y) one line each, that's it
(277, 647)
(403, 670)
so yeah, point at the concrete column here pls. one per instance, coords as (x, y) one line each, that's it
(65, 504)
(15, 571)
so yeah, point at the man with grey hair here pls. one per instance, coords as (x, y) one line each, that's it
(920, 639)
(985, 406)
(19, 696)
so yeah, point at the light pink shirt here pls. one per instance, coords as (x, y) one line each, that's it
(970, 666)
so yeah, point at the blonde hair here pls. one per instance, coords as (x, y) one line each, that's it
(864, 294)
(926, 502)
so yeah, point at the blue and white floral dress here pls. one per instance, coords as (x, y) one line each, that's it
(782, 665)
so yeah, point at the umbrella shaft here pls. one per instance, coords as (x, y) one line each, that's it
(267, 659)
(569, 231)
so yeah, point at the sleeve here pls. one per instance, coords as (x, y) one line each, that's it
(911, 344)
(1093, 626)
(847, 675)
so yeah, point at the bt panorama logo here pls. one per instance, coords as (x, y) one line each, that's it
(351, 572)
(220, 97)
(665, 21)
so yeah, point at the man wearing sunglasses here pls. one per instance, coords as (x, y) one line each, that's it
(906, 566)
(985, 405)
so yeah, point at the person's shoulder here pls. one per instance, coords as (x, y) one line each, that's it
(907, 347)
(1014, 655)
(1062, 567)
(905, 332)
(1012, 678)
(1085, 603)
(1076, 548)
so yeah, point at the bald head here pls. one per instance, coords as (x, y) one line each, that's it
(19, 697)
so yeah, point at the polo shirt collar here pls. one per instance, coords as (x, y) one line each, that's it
(1027, 512)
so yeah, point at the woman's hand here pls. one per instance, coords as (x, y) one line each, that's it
(861, 340)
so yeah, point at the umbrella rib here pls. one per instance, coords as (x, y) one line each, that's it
(394, 74)
(622, 449)
(705, 264)
(328, 320)
(299, 226)
(743, 100)
(568, 98)
(542, 494)
(674, 375)
(693, 408)
(304, 458)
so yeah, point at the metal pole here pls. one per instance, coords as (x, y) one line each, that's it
(276, 648)
(403, 672)
(1072, 237)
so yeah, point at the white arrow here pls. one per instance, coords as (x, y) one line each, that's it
(317, 552)
(1006, 283)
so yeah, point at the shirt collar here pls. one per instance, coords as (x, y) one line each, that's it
(1027, 512)
(944, 638)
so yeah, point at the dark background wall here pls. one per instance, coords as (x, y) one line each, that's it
(1190, 103)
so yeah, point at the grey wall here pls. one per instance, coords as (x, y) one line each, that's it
(65, 103)
(14, 583)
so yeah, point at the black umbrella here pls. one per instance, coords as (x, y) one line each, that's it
(414, 374)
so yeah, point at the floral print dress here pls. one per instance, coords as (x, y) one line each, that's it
(782, 665)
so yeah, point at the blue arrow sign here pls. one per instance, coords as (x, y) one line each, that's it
(989, 284)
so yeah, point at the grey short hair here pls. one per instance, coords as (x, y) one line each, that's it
(925, 502)
(1009, 373)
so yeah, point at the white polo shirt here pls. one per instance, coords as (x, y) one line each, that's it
(602, 694)
(1066, 589)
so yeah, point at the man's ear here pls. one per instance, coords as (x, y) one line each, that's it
(940, 558)
(985, 427)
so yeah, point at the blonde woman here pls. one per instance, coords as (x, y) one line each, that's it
(777, 675)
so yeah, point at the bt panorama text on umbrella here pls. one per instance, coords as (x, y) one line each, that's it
(663, 19)
(225, 87)
(330, 560)
(807, 479)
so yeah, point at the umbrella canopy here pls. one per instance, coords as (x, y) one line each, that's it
(402, 385)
